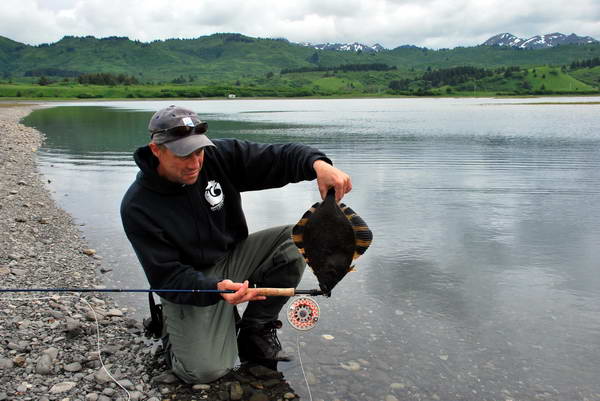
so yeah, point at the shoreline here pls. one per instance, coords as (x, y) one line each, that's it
(48, 101)
(49, 342)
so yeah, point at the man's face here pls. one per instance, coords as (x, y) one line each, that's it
(179, 169)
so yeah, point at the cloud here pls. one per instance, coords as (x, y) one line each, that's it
(431, 23)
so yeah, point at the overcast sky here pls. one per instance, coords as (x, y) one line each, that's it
(391, 23)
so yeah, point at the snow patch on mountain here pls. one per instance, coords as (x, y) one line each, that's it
(351, 47)
(538, 41)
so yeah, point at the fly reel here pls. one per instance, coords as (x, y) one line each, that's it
(303, 313)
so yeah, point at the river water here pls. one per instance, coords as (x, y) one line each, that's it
(483, 279)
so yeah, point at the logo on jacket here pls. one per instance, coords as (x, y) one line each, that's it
(214, 195)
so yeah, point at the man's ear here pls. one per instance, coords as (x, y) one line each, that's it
(154, 148)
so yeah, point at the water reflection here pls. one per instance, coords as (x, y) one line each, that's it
(482, 279)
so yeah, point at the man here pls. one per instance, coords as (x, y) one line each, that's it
(184, 219)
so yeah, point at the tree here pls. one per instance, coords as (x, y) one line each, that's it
(43, 81)
(399, 85)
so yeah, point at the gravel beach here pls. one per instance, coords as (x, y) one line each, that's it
(67, 346)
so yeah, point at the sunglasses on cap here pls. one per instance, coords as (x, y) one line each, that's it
(175, 133)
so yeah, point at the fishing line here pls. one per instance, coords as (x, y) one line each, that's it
(303, 314)
(302, 366)
(97, 332)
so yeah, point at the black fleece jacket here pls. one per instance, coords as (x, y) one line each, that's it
(178, 230)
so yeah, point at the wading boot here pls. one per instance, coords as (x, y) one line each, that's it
(260, 344)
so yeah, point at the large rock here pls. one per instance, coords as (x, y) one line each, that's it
(6, 363)
(44, 365)
(102, 377)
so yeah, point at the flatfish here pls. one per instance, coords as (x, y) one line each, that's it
(330, 236)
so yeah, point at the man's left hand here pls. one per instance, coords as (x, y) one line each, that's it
(242, 292)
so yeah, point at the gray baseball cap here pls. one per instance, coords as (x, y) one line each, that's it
(179, 129)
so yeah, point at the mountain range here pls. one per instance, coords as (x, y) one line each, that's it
(539, 41)
(355, 47)
(501, 39)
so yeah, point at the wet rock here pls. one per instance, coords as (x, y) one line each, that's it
(165, 378)
(259, 396)
(263, 372)
(235, 391)
(351, 366)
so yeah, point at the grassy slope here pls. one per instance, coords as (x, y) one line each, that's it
(221, 57)
(366, 83)
(219, 64)
(590, 76)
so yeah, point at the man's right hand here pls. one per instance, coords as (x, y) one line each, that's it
(242, 292)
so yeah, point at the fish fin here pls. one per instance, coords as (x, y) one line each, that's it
(362, 233)
(298, 229)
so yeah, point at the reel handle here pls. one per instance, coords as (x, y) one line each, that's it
(286, 292)
(276, 292)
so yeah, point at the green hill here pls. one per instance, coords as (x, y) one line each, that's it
(231, 63)
(230, 56)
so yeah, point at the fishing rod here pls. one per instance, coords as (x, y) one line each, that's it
(269, 292)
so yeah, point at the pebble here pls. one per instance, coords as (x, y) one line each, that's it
(102, 377)
(259, 396)
(51, 352)
(199, 387)
(351, 366)
(44, 365)
(62, 387)
(165, 378)
(73, 367)
(6, 363)
(235, 391)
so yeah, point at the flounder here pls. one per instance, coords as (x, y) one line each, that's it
(330, 236)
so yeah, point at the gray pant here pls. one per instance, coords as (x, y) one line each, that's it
(202, 340)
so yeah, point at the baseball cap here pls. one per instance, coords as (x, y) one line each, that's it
(179, 129)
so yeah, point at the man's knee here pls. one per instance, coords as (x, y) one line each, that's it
(292, 262)
(197, 373)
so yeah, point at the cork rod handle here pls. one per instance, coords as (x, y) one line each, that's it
(276, 292)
